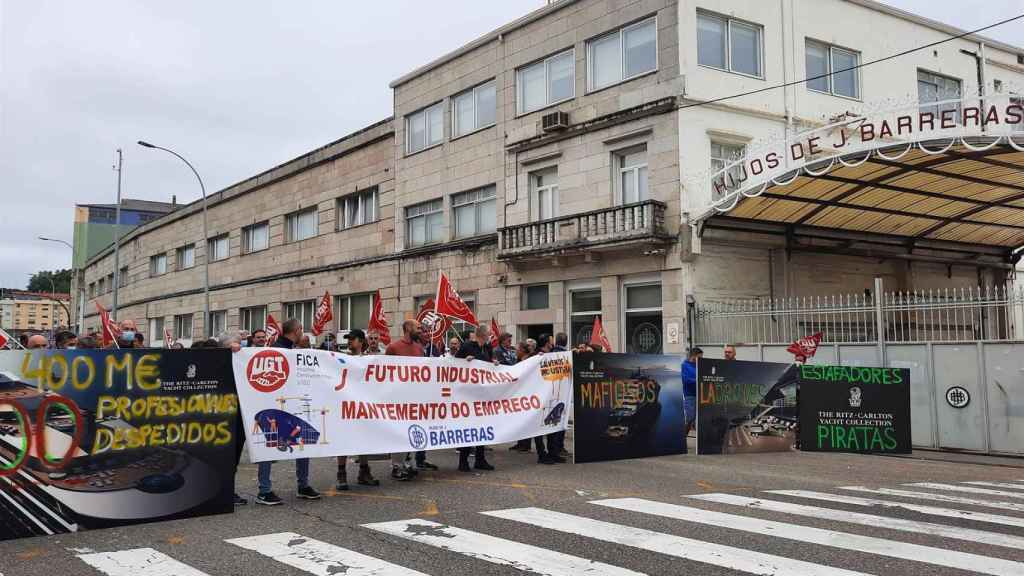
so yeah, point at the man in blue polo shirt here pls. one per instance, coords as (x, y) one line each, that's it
(690, 386)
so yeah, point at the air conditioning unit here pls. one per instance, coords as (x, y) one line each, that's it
(554, 122)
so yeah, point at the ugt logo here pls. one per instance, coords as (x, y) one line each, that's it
(267, 371)
(417, 437)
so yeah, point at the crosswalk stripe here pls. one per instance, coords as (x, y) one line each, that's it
(138, 562)
(931, 510)
(999, 485)
(822, 537)
(955, 532)
(967, 489)
(938, 497)
(677, 546)
(532, 559)
(320, 558)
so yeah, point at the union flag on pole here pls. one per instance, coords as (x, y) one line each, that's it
(168, 338)
(495, 333)
(273, 330)
(110, 329)
(448, 302)
(805, 347)
(379, 321)
(597, 335)
(434, 326)
(323, 314)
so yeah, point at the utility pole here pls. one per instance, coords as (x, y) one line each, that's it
(117, 235)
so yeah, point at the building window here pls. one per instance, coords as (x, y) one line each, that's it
(424, 129)
(544, 194)
(547, 82)
(101, 286)
(110, 282)
(158, 265)
(721, 156)
(631, 175)
(217, 248)
(623, 54)
(643, 319)
(474, 212)
(729, 44)
(301, 311)
(935, 88)
(92, 289)
(351, 312)
(186, 257)
(831, 65)
(584, 306)
(122, 277)
(357, 209)
(218, 323)
(423, 223)
(252, 318)
(301, 225)
(474, 109)
(183, 327)
(534, 297)
(156, 333)
(255, 238)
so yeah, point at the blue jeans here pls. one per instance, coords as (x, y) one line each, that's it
(689, 409)
(301, 474)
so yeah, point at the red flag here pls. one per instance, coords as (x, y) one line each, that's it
(434, 326)
(449, 303)
(806, 346)
(495, 332)
(168, 338)
(597, 335)
(323, 314)
(273, 330)
(110, 329)
(379, 321)
(5, 338)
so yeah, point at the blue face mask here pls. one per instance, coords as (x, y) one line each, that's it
(127, 336)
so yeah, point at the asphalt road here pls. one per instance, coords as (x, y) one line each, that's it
(961, 530)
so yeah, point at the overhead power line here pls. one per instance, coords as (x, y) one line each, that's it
(861, 65)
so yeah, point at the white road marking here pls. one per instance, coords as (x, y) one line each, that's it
(320, 558)
(931, 510)
(967, 489)
(938, 497)
(844, 540)
(955, 532)
(677, 546)
(138, 562)
(532, 559)
(998, 485)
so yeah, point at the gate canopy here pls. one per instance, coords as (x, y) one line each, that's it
(950, 172)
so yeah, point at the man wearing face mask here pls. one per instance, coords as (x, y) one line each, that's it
(66, 340)
(127, 337)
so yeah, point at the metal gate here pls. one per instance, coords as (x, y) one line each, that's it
(964, 349)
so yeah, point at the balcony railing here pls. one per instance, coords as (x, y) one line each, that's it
(607, 226)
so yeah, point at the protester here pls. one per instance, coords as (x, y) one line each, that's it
(23, 339)
(175, 346)
(453, 348)
(200, 344)
(408, 345)
(87, 343)
(291, 335)
(549, 453)
(126, 339)
(476, 349)
(729, 352)
(65, 340)
(556, 440)
(373, 344)
(690, 387)
(561, 343)
(232, 341)
(259, 338)
(328, 343)
(305, 342)
(357, 346)
(36, 341)
(531, 346)
(140, 340)
(504, 353)
(596, 348)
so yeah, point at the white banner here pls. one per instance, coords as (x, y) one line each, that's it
(314, 403)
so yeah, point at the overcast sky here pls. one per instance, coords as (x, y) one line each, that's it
(235, 86)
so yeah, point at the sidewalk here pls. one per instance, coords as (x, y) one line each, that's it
(964, 458)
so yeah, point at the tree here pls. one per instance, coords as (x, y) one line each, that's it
(40, 281)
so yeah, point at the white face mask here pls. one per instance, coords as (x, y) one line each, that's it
(71, 347)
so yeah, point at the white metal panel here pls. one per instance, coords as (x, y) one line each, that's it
(959, 428)
(1004, 381)
(915, 358)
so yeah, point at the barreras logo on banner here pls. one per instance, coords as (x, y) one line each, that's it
(323, 314)
(379, 321)
(805, 347)
(273, 330)
(110, 329)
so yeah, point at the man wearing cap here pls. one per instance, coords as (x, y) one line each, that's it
(356, 347)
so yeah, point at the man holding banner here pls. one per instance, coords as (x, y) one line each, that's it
(476, 350)
(408, 345)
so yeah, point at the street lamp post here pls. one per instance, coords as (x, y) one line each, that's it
(206, 236)
(53, 287)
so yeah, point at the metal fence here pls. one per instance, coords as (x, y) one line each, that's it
(989, 313)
